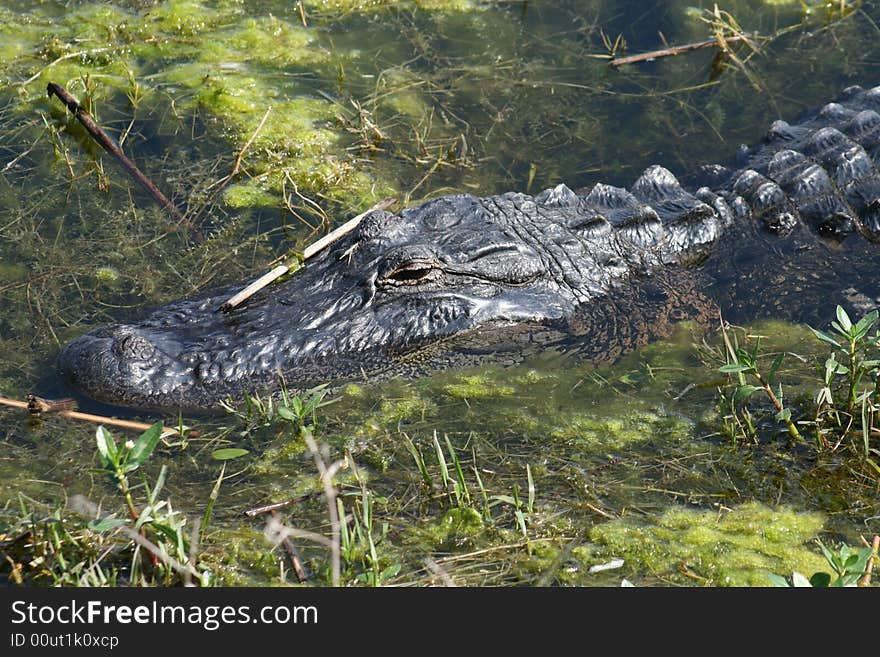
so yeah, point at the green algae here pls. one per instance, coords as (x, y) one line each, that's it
(729, 547)
(477, 386)
(455, 527)
(239, 556)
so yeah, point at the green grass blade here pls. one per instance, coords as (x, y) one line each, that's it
(212, 499)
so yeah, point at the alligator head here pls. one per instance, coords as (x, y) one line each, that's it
(396, 291)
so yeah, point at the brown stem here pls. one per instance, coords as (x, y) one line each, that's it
(301, 574)
(98, 134)
(278, 505)
(676, 50)
(792, 429)
(869, 567)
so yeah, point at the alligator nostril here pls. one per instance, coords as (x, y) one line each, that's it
(132, 346)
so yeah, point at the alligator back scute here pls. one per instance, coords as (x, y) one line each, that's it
(821, 171)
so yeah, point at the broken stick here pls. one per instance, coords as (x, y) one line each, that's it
(36, 405)
(676, 50)
(109, 145)
(240, 297)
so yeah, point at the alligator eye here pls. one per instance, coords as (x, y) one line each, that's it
(409, 274)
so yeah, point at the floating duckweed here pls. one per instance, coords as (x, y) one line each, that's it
(183, 17)
(290, 44)
(243, 557)
(533, 376)
(268, 463)
(353, 390)
(731, 548)
(248, 195)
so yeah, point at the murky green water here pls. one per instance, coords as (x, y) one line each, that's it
(413, 100)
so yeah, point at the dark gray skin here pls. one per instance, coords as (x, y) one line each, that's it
(461, 279)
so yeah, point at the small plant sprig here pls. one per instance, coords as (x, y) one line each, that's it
(299, 410)
(745, 363)
(850, 567)
(852, 342)
(119, 461)
(159, 527)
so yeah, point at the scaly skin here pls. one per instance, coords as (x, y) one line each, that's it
(461, 279)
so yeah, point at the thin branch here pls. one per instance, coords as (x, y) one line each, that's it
(107, 143)
(677, 50)
(62, 408)
(243, 295)
(330, 492)
(278, 505)
(301, 574)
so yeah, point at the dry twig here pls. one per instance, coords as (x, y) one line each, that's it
(676, 50)
(240, 297)
(107, 143)
(65, 407)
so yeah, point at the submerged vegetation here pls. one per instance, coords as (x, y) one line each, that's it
(269, 122)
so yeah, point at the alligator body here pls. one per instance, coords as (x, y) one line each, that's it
(460, 279)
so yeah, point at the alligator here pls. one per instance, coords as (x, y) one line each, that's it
(460, 280)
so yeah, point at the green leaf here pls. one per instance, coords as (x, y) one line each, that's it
(778, 580)
(830, 557)
(287, 414)
(844, 320)
(824, 337)
(502, 499)
(173, 534)
(160, 481)
(742, 393)
(144, 446)
(865, 323)
(850, 561)
(832, 366)
(775, 367)
(799, 581)
(106, 448)
(864, 554)
(820, 579)
(105, 524)
(733, 368)
(228, 453)
(783, 415)
(850, 579)
(389, 572)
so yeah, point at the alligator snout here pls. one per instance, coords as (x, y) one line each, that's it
(117, 364)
